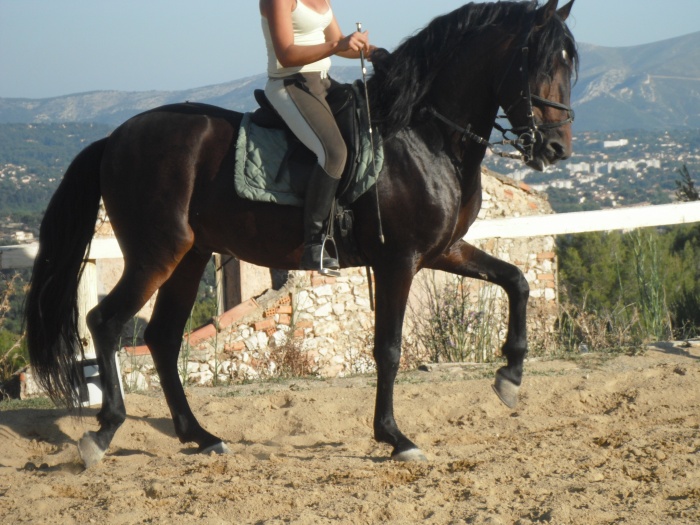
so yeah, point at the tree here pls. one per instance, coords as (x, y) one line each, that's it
(685, 188)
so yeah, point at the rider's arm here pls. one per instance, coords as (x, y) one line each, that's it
(279, 18)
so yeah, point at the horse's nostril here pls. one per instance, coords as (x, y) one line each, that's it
(558, 150)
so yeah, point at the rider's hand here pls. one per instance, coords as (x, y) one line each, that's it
(358, 42)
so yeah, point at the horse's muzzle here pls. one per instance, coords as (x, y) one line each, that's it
(551, 151)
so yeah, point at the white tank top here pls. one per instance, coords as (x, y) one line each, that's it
(308, 28)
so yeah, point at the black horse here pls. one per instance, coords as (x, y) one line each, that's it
(166, 179)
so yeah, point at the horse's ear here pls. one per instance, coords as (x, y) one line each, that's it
(546, 12)
(565, 11)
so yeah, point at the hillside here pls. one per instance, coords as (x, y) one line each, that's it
(114, 107)
(654, 86)
(33, 158)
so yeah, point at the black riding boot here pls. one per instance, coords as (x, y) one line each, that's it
(319, 197)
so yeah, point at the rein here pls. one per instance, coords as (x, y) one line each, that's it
(468, 134)
(527, 136)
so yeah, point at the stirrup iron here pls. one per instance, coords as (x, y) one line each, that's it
(328, 271)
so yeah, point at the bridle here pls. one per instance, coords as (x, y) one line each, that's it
(531, 134)
(527, 136)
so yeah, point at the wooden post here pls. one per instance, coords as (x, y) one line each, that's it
(228, 282)
(87, 300)
(220, 307)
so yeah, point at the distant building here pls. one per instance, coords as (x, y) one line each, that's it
(589, 178)
(580, 167)
(615, 143)
(620, 165)
(24, 236)
(564, 184)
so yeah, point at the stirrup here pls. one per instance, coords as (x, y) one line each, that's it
(329, 272)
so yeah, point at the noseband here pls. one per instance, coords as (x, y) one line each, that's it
(528, 136)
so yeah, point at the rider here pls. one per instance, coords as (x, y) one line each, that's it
(301, 36)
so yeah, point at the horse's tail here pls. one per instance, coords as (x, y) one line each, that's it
(51, 308)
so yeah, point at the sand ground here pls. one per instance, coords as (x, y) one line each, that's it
(595, 440)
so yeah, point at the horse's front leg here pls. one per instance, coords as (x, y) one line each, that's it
(392, 287)
(466, 260)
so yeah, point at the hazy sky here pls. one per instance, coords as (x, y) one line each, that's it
(57, 47)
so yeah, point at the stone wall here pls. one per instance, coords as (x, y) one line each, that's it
(324, 326)
(535, 256)
(313, 325)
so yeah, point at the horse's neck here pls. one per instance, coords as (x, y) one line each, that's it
(470, 103)
(468, 155)
(447, 159)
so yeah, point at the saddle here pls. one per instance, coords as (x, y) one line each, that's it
(272, 165)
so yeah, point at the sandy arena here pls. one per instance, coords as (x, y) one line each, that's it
(595, 440)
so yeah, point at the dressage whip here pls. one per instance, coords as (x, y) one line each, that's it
(371, 135)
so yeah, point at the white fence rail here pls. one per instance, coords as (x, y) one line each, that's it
(22, 256)
(586, 221)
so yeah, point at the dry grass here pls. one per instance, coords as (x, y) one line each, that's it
(12, 355)
(291, 360)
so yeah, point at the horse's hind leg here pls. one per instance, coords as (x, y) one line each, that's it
(106, 321)
(164, 337)
(466, 260)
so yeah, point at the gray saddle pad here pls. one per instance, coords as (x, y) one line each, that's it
(261, 176)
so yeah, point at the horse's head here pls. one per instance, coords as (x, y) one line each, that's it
(535, 88)
(463, 65)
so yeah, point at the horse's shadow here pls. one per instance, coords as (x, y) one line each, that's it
(307, 452)
(163, 425)
(43, 425)
(40, 424)
(674, 349)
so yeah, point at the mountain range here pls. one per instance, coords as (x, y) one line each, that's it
(653, 86)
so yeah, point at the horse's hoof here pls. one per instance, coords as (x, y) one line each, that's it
(89, 450)
(506, 390)
(413, 455)
(218, 448)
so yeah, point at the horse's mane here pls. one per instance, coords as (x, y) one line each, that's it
(403, 78)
